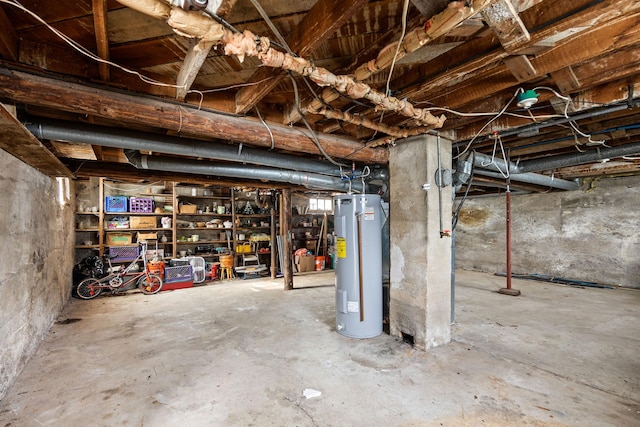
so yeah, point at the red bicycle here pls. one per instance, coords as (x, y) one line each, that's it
(122, 278)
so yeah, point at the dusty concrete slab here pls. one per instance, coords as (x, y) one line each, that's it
(243, 352)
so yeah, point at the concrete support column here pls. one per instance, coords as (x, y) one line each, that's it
(420, 294)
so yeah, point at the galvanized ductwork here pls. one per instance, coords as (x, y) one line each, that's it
(134, 140)
(498, 168)
(554, 162)
(533, 178)
(199, 167)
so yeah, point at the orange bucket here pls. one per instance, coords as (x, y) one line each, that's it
(226, 261)
(319, 262)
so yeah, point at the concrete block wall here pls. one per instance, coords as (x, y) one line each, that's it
(36, 262)
(592, 234)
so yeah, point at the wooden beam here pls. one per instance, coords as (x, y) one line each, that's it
(30, 89)
(8, 38)
(566, 79)
(520, 67)
(102, 37)
(504, 20)
(322, 20)
(16, 140)
(56, 59)
(97, 151)
(285, 232)
(197, 54)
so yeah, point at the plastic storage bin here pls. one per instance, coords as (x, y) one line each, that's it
(123, 253)
(115, 204)
(180, 273)
(141, 204)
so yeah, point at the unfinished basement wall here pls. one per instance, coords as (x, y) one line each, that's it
(36, 262)
(591, 235)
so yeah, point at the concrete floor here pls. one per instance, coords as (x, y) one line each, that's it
(241, 353)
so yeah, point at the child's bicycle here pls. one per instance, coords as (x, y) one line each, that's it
(122, 278)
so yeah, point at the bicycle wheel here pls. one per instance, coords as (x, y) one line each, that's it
(150, 286)
(89, 288)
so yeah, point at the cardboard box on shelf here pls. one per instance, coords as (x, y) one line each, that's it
(188, 209)
(141, 237)
(143, 222)
(305, 263)
(119, 238)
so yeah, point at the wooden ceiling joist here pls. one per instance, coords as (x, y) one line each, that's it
(8, 38)
(102, 38)
(520, 67)
(565, 79)
(504, 20)
(316, 27)
(197, 54)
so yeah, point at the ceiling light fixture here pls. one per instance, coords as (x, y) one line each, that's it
(527, 98)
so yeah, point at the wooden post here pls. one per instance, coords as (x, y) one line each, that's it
(285, 231)
(101, 235)
(274, 245)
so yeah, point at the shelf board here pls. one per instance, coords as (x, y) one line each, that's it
(203, 242)
(138, 213)
(253, 216)
(204, 228)
(136, 229)
(92, 230)
(182, 196)
(88, 213)
(210, 214)
(87, 246)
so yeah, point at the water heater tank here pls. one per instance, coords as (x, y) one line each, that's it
(358, 223)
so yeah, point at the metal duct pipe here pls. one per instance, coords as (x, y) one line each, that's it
(483, 161)
(564, 160)
(135, 140)
(493, 163)
(549, 163)
(310, 180)
(534, 178)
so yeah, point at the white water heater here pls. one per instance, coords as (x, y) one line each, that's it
(358, 223)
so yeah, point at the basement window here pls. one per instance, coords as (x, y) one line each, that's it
(323, 205)
(64, 191)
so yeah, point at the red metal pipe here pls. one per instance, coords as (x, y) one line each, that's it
(508, 238)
